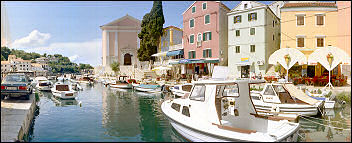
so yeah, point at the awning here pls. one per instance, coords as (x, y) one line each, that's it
(159, 54)
(294, 56)
(212, 60)
(174, 53)
(173, 62)
(187, 61)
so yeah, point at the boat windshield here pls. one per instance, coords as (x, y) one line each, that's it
(198, 93)
(62, 88)
(279, 88)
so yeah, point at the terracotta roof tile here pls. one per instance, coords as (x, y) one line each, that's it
(315, 4)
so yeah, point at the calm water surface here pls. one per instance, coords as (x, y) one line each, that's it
(122, 115)
(105, 115)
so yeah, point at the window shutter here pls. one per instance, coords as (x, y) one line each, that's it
(194, 54)
(255, 16)
(249, 17)
(204, 36)
(210, 53)
(209, 35)
(204, 51)
(189, 55)
(240, 18)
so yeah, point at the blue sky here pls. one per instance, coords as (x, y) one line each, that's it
(72, 28)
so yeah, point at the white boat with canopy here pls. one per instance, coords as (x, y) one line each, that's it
(63, 91)
(43, 84)
(284, 99)
(223, 111)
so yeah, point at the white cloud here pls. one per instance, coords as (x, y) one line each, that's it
(35, 38)
(88, 52)
(73, 58)
(80, 52)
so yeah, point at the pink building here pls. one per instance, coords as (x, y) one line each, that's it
(205, 36)
(344, 28)
(344, 31)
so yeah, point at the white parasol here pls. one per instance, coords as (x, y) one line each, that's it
(323, 55)
(287, 57)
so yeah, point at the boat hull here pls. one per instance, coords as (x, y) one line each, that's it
(195, 135)
(147, 90)
(62, 95)
(122, 86)
(305, 110)
(44, 88)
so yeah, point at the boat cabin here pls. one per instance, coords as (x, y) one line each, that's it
(62, 87)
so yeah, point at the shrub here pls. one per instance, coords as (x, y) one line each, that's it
(344, 96)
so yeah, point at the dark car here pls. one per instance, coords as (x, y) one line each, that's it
(16, 85)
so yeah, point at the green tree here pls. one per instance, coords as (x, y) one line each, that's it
(2, 58)
(115, 66)
(152, 29)
(5, 52)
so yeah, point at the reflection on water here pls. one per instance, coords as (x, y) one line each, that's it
(334, 125)
(106, 115)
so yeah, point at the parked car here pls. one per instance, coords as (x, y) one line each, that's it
(16, 85)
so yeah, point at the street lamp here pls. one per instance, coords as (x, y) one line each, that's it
(287, 59)
(330, 58)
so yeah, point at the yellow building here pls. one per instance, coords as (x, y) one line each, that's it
(307, 26)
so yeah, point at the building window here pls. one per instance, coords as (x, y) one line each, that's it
(320, 20)
(237, 19)
(204, 6)
(207, 53)
(320, 42)
(207, 19)
(245, 6)
(193, 9)
(252, 31)
(300, 20)
(192, 54)
(191, 23)
(300, 42)
(237, 49)
(273, 37)
(199, 38)
(273, 23)
(191, 39)
(252, 48)
(206, 36)
(237, 32)
(252, 16)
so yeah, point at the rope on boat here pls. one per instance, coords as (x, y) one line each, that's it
(326, 120)
(326, 125)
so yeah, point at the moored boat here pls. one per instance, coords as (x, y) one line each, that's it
(43, 84)
(213, 112)
(123, 83)
(284, 99)
(328, 102)
(152, 88)
(181, 90)
(63, 91)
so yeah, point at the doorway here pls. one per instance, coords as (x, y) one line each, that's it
(127, 59)
(310, 71)
(244, 71)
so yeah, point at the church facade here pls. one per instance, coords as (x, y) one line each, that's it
(120, 42)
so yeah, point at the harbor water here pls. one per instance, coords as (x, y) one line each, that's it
(103, 114)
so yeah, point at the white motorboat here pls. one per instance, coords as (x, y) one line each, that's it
(43, 84)
(123, 83)
(181, 90)
(328, 102)
(63, 91)
(152, 88)
(213, 112)
(284, 99)
(85, 80)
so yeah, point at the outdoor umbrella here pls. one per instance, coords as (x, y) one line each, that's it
(329, 57)
(287, 57)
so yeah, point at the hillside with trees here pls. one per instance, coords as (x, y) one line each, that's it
(63, 65)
